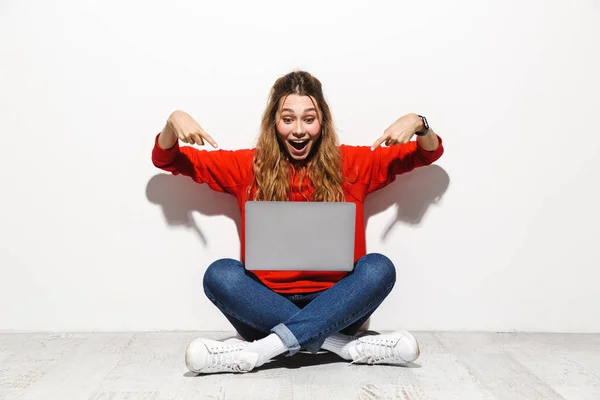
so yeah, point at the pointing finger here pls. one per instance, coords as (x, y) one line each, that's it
(378, 142)
(208, 138)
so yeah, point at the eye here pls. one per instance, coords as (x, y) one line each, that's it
(309, 120)
(287, 120)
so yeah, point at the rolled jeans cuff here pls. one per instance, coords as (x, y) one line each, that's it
(288, 338)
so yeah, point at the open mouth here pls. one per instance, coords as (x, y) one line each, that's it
(299, 144)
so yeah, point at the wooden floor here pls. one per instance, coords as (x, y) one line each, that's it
(150, 366)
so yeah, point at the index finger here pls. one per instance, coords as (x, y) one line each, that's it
(378, 142)
(208, 138)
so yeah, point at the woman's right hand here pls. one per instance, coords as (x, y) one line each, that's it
(187, 129)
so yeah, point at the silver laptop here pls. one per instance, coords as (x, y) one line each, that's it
(305, 236)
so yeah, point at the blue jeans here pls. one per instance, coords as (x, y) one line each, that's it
(302, 321)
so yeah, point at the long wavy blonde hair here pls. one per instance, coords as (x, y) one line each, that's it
(272, 167)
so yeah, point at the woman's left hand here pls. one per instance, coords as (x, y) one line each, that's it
(400, 131)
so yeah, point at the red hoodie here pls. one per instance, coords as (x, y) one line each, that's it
(231, 172)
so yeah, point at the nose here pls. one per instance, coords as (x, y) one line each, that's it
(298, 131)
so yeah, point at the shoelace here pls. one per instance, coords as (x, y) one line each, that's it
(374, 350)
(224, 357)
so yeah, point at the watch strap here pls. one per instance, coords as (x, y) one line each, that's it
(425, 127)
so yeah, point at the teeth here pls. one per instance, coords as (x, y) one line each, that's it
(298, 141)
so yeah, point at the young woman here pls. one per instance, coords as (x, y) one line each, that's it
(297, 158)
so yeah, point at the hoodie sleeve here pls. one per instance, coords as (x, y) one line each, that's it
(377, 169)
(223, 170)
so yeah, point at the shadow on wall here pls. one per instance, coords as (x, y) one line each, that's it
(412, 193)
(179, 196)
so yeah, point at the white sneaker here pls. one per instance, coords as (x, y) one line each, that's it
(235, 340)
(389, 348)
(205, 356)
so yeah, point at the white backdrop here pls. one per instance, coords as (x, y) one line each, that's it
(500, 234)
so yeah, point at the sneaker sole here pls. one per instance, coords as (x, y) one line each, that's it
(317, 353)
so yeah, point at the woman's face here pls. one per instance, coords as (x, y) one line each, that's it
(298, 127)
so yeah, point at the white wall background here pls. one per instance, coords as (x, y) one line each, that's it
(500, 235)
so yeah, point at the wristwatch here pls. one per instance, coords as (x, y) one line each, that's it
(425, 125)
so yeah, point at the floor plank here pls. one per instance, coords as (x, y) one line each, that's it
(150, 366)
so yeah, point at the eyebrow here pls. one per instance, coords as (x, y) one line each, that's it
(292, 111)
